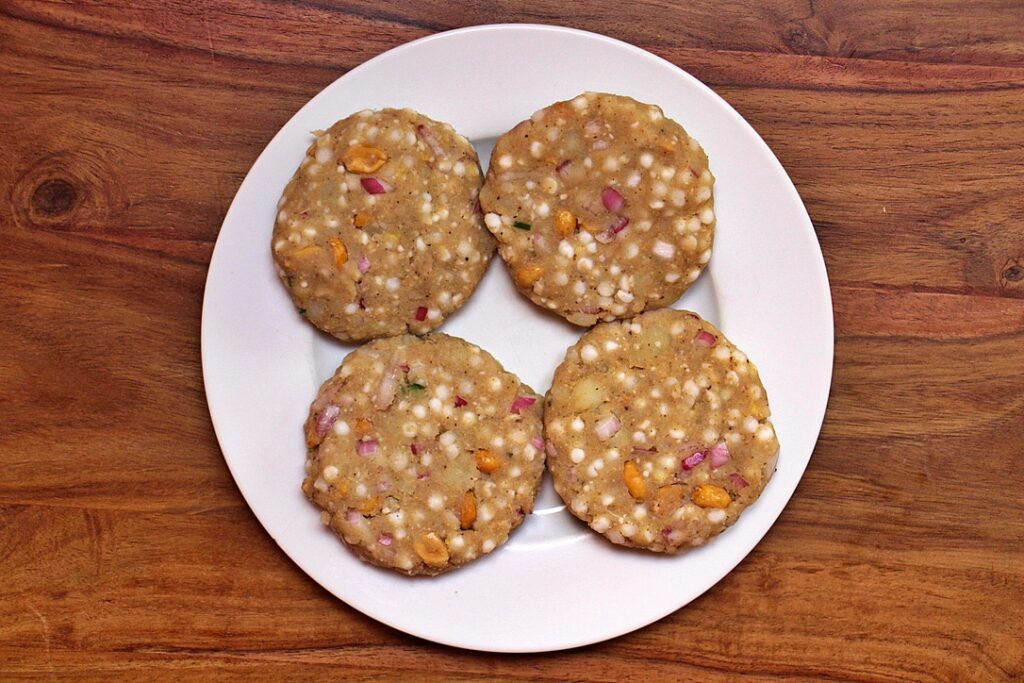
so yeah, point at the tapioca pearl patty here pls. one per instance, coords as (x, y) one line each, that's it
(658, 431)
(602, 207)
(424, 453)
(379, 231)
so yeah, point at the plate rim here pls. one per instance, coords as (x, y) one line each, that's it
(805, 225)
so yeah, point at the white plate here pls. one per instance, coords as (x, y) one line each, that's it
(554, 585)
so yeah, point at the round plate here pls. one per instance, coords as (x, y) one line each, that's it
(555, 584)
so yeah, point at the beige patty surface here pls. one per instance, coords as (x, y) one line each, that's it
(658, 431)
(378, 232)
(602, 207)
(423, 453)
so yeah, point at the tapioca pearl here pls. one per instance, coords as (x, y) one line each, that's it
(579, 288)
(606, 288)
(451, 451)
(691, 388)
(657, 204)
(498, 442)
(543, 210)
(693, 274)
(765, 433)
(428, 430)
(624, 296)
(577, 424)
(631, 381)
(565, 249)
(716, 516)
(577, 455)
(360, 489)
(588, 353)
(341, 428)
(611, 164)
(646, 159)
(475, 361)
(639, 437)
(601, 524)
(536, 149)
(580, 103)
(585, 263)
(505, 161)
(492, 221)
(693, 224)
(409, 429)
(702, 195)
(663, 250)
(640, 512)
(732, 378)
(628, 530)
(447, 439)
(399, 460)
(579, 505)
(485, 513)
(632, 249)
(435, 405)
(468, 417)
(514, 471)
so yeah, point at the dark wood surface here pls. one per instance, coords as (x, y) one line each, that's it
(127, 552)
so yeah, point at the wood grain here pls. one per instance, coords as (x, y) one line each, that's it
(127, 552)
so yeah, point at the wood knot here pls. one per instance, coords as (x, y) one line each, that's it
(54, 197)
(1012, 275)
(65, 191)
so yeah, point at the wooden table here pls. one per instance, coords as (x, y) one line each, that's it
(126, 550)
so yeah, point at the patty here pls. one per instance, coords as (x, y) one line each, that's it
(424, 453)
(602, 207)
(657, 431)
(379, 233)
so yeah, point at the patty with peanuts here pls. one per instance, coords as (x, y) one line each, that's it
(657, 431)
(602, 207)
(379, 231)
(424, 453)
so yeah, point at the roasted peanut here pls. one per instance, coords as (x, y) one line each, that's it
(711, 496)
(370, 506)
(361, 219)
(431, 549)
(667, 499)
(363, 426)
(364, 159)
(565, 222)
(467, 510)
(635, 483)
(527, 275)
(487, 462)
(339, 250)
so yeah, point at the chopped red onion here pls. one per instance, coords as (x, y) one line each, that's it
(693, 460)
(384, 539)
(366, 447)
(386, 390)
(364, 265)
(353, 516)
(718, 455)
(459, 401)
(612, 200)
(521, 402)
(429, 138)
(607, 428)
(374, 185)
(421, 313)
(563, 167)
(325, 419)
(705, 338)
(618, 226)
(537, 442)
(738, 481)
(415, 448)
